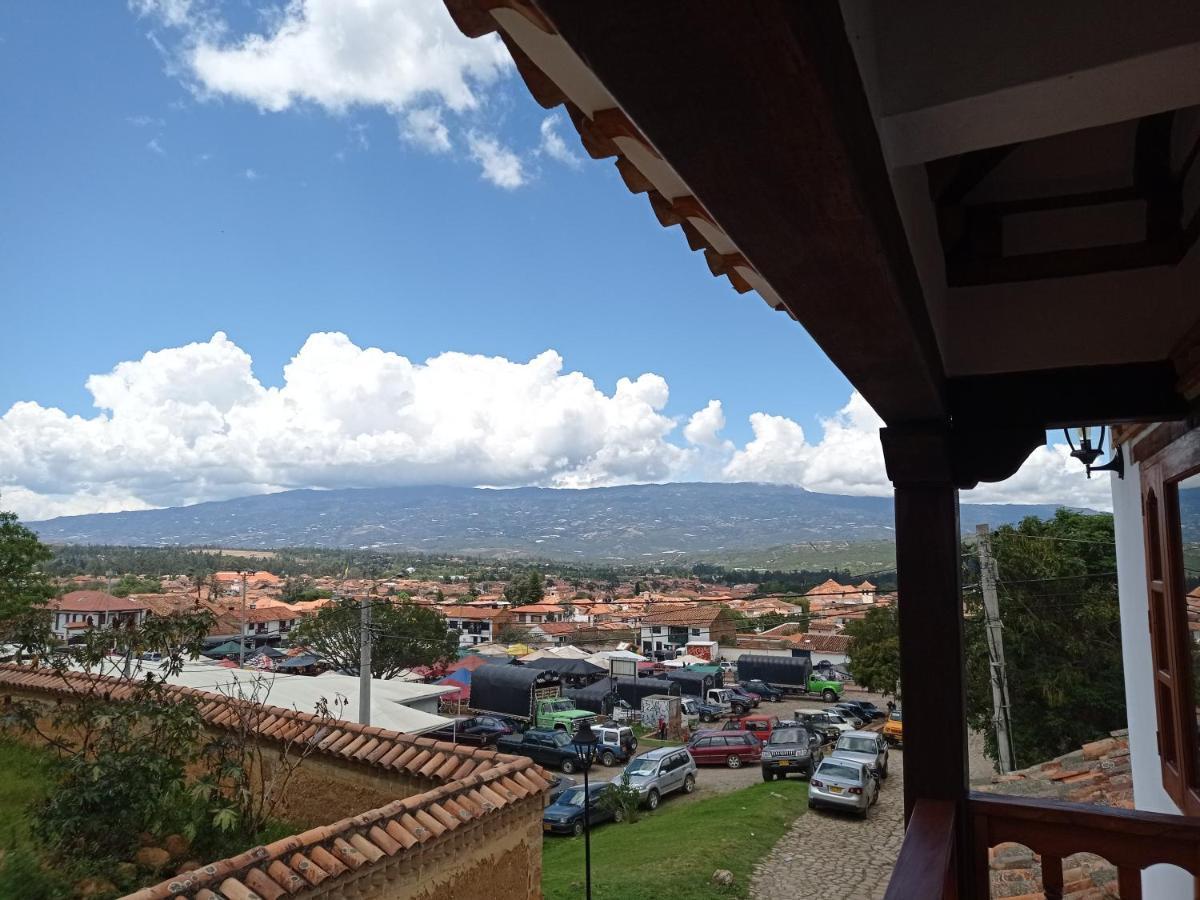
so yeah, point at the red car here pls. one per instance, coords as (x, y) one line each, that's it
(726, 748)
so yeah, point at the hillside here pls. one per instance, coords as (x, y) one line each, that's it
(632, 523)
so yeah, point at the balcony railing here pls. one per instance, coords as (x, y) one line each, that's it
(1131, 841)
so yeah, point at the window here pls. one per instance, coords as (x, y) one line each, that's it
(1171, 514)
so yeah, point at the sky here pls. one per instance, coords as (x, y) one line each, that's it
(326, 244)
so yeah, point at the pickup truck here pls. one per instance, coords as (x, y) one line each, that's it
(548, 747)
(697, 708)
(478, 731)
(758, 725)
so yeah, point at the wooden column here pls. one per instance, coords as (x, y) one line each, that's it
(933, 683)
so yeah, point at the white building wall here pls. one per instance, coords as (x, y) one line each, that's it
(1163, 882)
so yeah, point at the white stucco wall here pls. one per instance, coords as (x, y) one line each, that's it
(1163, 882)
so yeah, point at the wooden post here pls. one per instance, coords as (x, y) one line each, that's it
(933, 682)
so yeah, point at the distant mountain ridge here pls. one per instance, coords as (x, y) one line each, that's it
(631, 523)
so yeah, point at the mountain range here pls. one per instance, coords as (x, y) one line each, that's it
(692, 520)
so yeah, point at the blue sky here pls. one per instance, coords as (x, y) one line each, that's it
(175, 169)
(118, 249)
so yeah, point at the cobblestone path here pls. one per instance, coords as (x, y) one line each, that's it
(837, 855)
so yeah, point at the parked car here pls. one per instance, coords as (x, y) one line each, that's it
(874, 711)
(558, 784)
(790, 748)
(764, 690)
(747, 697)
(549, 747)
(726, 748)
(867, 747)
(661, 771)
(701, 709)
(817, 720)
(843, 784)
(480, 731)
(615, 743)
(823, 720)
(893, 729)
(852, 714)
(565, 815)
(759, 725)
(728, 669)
(837, 717)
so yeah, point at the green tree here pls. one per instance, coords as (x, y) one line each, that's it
(875, 650)
(525, 588)
(1062, 647)
(24, 587)
(405, 635)
(135, 584)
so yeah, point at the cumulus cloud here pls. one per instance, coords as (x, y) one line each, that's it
(193, 423)
(402, 56)
(500, 165)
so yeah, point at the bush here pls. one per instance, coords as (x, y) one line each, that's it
(623, 798)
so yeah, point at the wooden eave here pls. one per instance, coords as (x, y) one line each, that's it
(757, 141)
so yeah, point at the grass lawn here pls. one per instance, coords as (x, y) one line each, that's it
(671, 854)
(23, 780)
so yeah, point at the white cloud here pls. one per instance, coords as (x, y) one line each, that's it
(406, 57)
(143, 121)
(425, 128)
(389, 53)
(705, 424)
(194, 423)
(155, 147)
(554, 146)
(250, 175)
(500, 165)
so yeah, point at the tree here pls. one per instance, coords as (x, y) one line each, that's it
(24, 587)
(514, 634)
(875, 650)
(405, 636)
(1062, 646)
(527, 588)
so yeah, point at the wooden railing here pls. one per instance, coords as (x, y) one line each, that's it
(927, 863)
(1131, 841)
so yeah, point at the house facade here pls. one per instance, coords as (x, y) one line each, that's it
(665, 632)
(476, 624)
(77, 612)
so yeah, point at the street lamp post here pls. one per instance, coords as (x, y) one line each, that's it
(585, 751)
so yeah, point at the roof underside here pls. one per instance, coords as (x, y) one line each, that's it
(988, 210)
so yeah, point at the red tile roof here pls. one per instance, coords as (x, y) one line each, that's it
(832, 588)
(93, 601)
(819, 643)
(472, 783)
(696, 615)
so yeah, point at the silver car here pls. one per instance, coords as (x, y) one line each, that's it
(660, 771)
(866, 747)
(843, 784)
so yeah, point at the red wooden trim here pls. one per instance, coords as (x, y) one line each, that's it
(925, 865)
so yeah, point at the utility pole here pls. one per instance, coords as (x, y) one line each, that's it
(242, 638)
(1001, 710)
(364, 664)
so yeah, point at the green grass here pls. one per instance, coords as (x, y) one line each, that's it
(671, 854)
(23, 781)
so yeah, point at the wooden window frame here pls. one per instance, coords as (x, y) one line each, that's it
(1170, 640)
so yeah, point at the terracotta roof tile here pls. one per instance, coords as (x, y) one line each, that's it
(485, 781)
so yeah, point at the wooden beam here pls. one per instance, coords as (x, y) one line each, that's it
(1059, 398)
(759, 108)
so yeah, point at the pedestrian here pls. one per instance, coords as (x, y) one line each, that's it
(662, 728)
(891, 706)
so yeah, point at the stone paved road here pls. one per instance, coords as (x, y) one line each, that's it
(837, 855)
